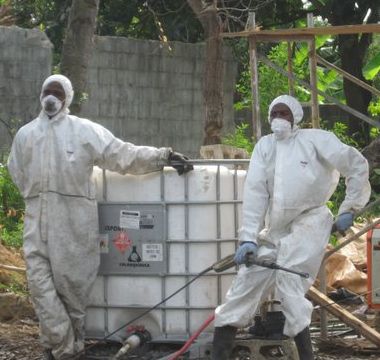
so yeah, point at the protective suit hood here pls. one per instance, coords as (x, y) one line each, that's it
(292, 103)
(67, 87)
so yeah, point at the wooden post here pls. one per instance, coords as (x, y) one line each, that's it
(323, 312)
(290, 69)
(313, 75)
(253, 58)
(344, 315)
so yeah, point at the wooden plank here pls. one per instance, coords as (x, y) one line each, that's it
(325, 30)
(290, 68)
(256, 122)
(346, 108)
(279, 38)
(349, 239)
(370, 334)
(348, 76)
(313, 76)
(12, 268)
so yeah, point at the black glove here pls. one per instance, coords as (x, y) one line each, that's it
(179, 162)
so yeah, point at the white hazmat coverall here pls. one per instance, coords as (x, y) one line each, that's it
(51, 162)
(288, 184)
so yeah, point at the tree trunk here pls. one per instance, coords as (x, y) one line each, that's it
(372, 154)
(352, 51)
(78, 46)
(213, 71)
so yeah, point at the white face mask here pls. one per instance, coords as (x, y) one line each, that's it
(281, 128)
(51, 105)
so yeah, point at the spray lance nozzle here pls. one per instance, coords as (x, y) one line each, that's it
(224, 264)
(228, 262)
(136, 336)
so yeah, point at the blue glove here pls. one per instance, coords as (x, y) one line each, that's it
(344, 221)
(245, 252)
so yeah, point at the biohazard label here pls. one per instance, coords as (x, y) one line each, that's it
(122, 241)
(104, 243)
(130, 219)
(152, 252)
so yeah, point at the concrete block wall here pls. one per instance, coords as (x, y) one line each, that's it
(149, 95)
(141, 91)
(25, 61)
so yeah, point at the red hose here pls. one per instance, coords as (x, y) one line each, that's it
(193, 337)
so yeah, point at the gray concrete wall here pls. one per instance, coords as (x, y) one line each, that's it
(147, 94)
(25, 61)
(143, 92)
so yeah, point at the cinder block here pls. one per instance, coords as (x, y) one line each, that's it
(90, 109)
(130, 46)
(103, 43)
(92, 76)
(106, 76)
(133, 63)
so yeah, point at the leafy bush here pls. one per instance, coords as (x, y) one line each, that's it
(240, 138)
(11, 210)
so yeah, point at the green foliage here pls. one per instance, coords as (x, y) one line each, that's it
(341, 131)
(337, 198)
(374, 132)
(14, 287)
(374, 108)
(13, 237)
(273, 84)
(14, 283)
(240, 138)
(150, 19)
(333, 240)
(372, 68)
(49, 16)
(11, 210)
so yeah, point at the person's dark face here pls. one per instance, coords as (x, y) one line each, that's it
(281, 111)
(55, 88)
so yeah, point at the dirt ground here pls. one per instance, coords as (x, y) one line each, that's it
(19, 341)
(19, 327)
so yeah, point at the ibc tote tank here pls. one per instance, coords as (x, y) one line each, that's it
(156, 232)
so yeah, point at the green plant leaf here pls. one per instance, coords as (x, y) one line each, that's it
(371, 69)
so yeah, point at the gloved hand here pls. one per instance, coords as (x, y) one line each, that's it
(344, 221)
(176, 158)
(246, 253)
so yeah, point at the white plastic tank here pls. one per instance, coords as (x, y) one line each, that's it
(157, 231)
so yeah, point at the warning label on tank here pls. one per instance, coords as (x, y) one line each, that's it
(152, 252)
(130, 219)
(147, 221)
(122, 242)
(133, 239)
(103, 243)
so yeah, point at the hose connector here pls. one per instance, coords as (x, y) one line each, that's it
(137, 337)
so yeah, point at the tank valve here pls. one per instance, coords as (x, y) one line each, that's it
(137, 336)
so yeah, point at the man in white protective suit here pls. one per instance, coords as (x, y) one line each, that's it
(292, 174)
(51, 162)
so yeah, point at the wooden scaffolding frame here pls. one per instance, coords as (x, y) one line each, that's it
(307, 34)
